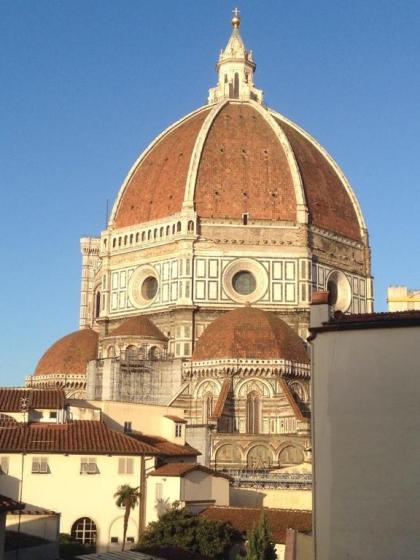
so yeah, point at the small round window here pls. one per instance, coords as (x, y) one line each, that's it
(244, 283)
(149, 287)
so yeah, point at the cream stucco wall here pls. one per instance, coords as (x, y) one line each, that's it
(271, 497)
(147, 419)
(366, 425)
(66, 491)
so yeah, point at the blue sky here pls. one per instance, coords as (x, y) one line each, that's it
(87, 84)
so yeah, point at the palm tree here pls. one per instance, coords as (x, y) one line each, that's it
(127, 497)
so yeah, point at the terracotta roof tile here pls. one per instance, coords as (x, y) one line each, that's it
(182, 469)
(329, 204)
(11, 400)
(175, 418)
(221, 401)
(166, 447)
(250, 333)
(7, 504)
(156, 187)
(279, 520)
(244, 168)
(138, 326)
(79, 437)
(70, 354)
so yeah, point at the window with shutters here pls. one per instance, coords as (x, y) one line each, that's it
(88, 465)
(125, 465)
(4, 465)
(40, 465)
(178, 430)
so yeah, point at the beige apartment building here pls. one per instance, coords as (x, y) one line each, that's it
(400, 298)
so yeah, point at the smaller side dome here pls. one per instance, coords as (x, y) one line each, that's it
(250, 333)
(139, 326)
(70, 354)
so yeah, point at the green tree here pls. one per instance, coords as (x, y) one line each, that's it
(193, 533)
(126, 497)
(260, 544)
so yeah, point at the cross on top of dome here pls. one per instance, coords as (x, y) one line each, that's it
(236, 69)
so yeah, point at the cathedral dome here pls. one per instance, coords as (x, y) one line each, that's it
(250, 333)
(70, 354)
(235, 157)
(139, 326)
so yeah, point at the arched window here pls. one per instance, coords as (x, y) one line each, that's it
(155, 233)
(119, 242)
(131, 353)
(173, 228)
(190, 225)
(149, 235)
(114, 242)
(131, 238)
(260, 457)
(125, 239)
(84, 531)
(97, 304)
(154, 353)
(111, 352)
(161, 232)
(228, 454)
(168, 230)
(207, 406)
(143, 235)
(137, 237)
(178, 226)
(291, 455)
(253, 413)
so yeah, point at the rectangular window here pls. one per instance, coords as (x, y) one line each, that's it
(53, 414)
(178, 430)
(159, 491)
(4, 465)
(40, 465)
(114, 540)
(127, 427)
(88, 465)
(125, 465)
(130, 539)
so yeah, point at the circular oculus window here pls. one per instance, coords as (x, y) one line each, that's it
(245, 280)
(143, 286)
(339, 289)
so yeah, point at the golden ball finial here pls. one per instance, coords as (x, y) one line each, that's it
(236, 20)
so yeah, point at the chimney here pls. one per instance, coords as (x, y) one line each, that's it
(321, 310)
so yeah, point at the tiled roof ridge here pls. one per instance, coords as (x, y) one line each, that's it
(263, 508)
(77, 437)
(340, 317)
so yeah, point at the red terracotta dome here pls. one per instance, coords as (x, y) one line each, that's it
(139, 326)
(250, 333)
(236, 157)
(70, 354)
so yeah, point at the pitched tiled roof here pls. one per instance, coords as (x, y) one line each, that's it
(79, 437)
(6, 420)
(221, 401)
(7, 504)
(300, 414)
(279, 520)
(70, 354)
(175, 418)
(182, 469)
(250, 333)
(139, 326)
(11, 400)
(166, 447)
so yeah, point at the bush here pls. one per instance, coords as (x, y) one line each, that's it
(70, 548)
(179, 529)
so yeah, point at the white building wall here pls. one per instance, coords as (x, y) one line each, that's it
(366, 425)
